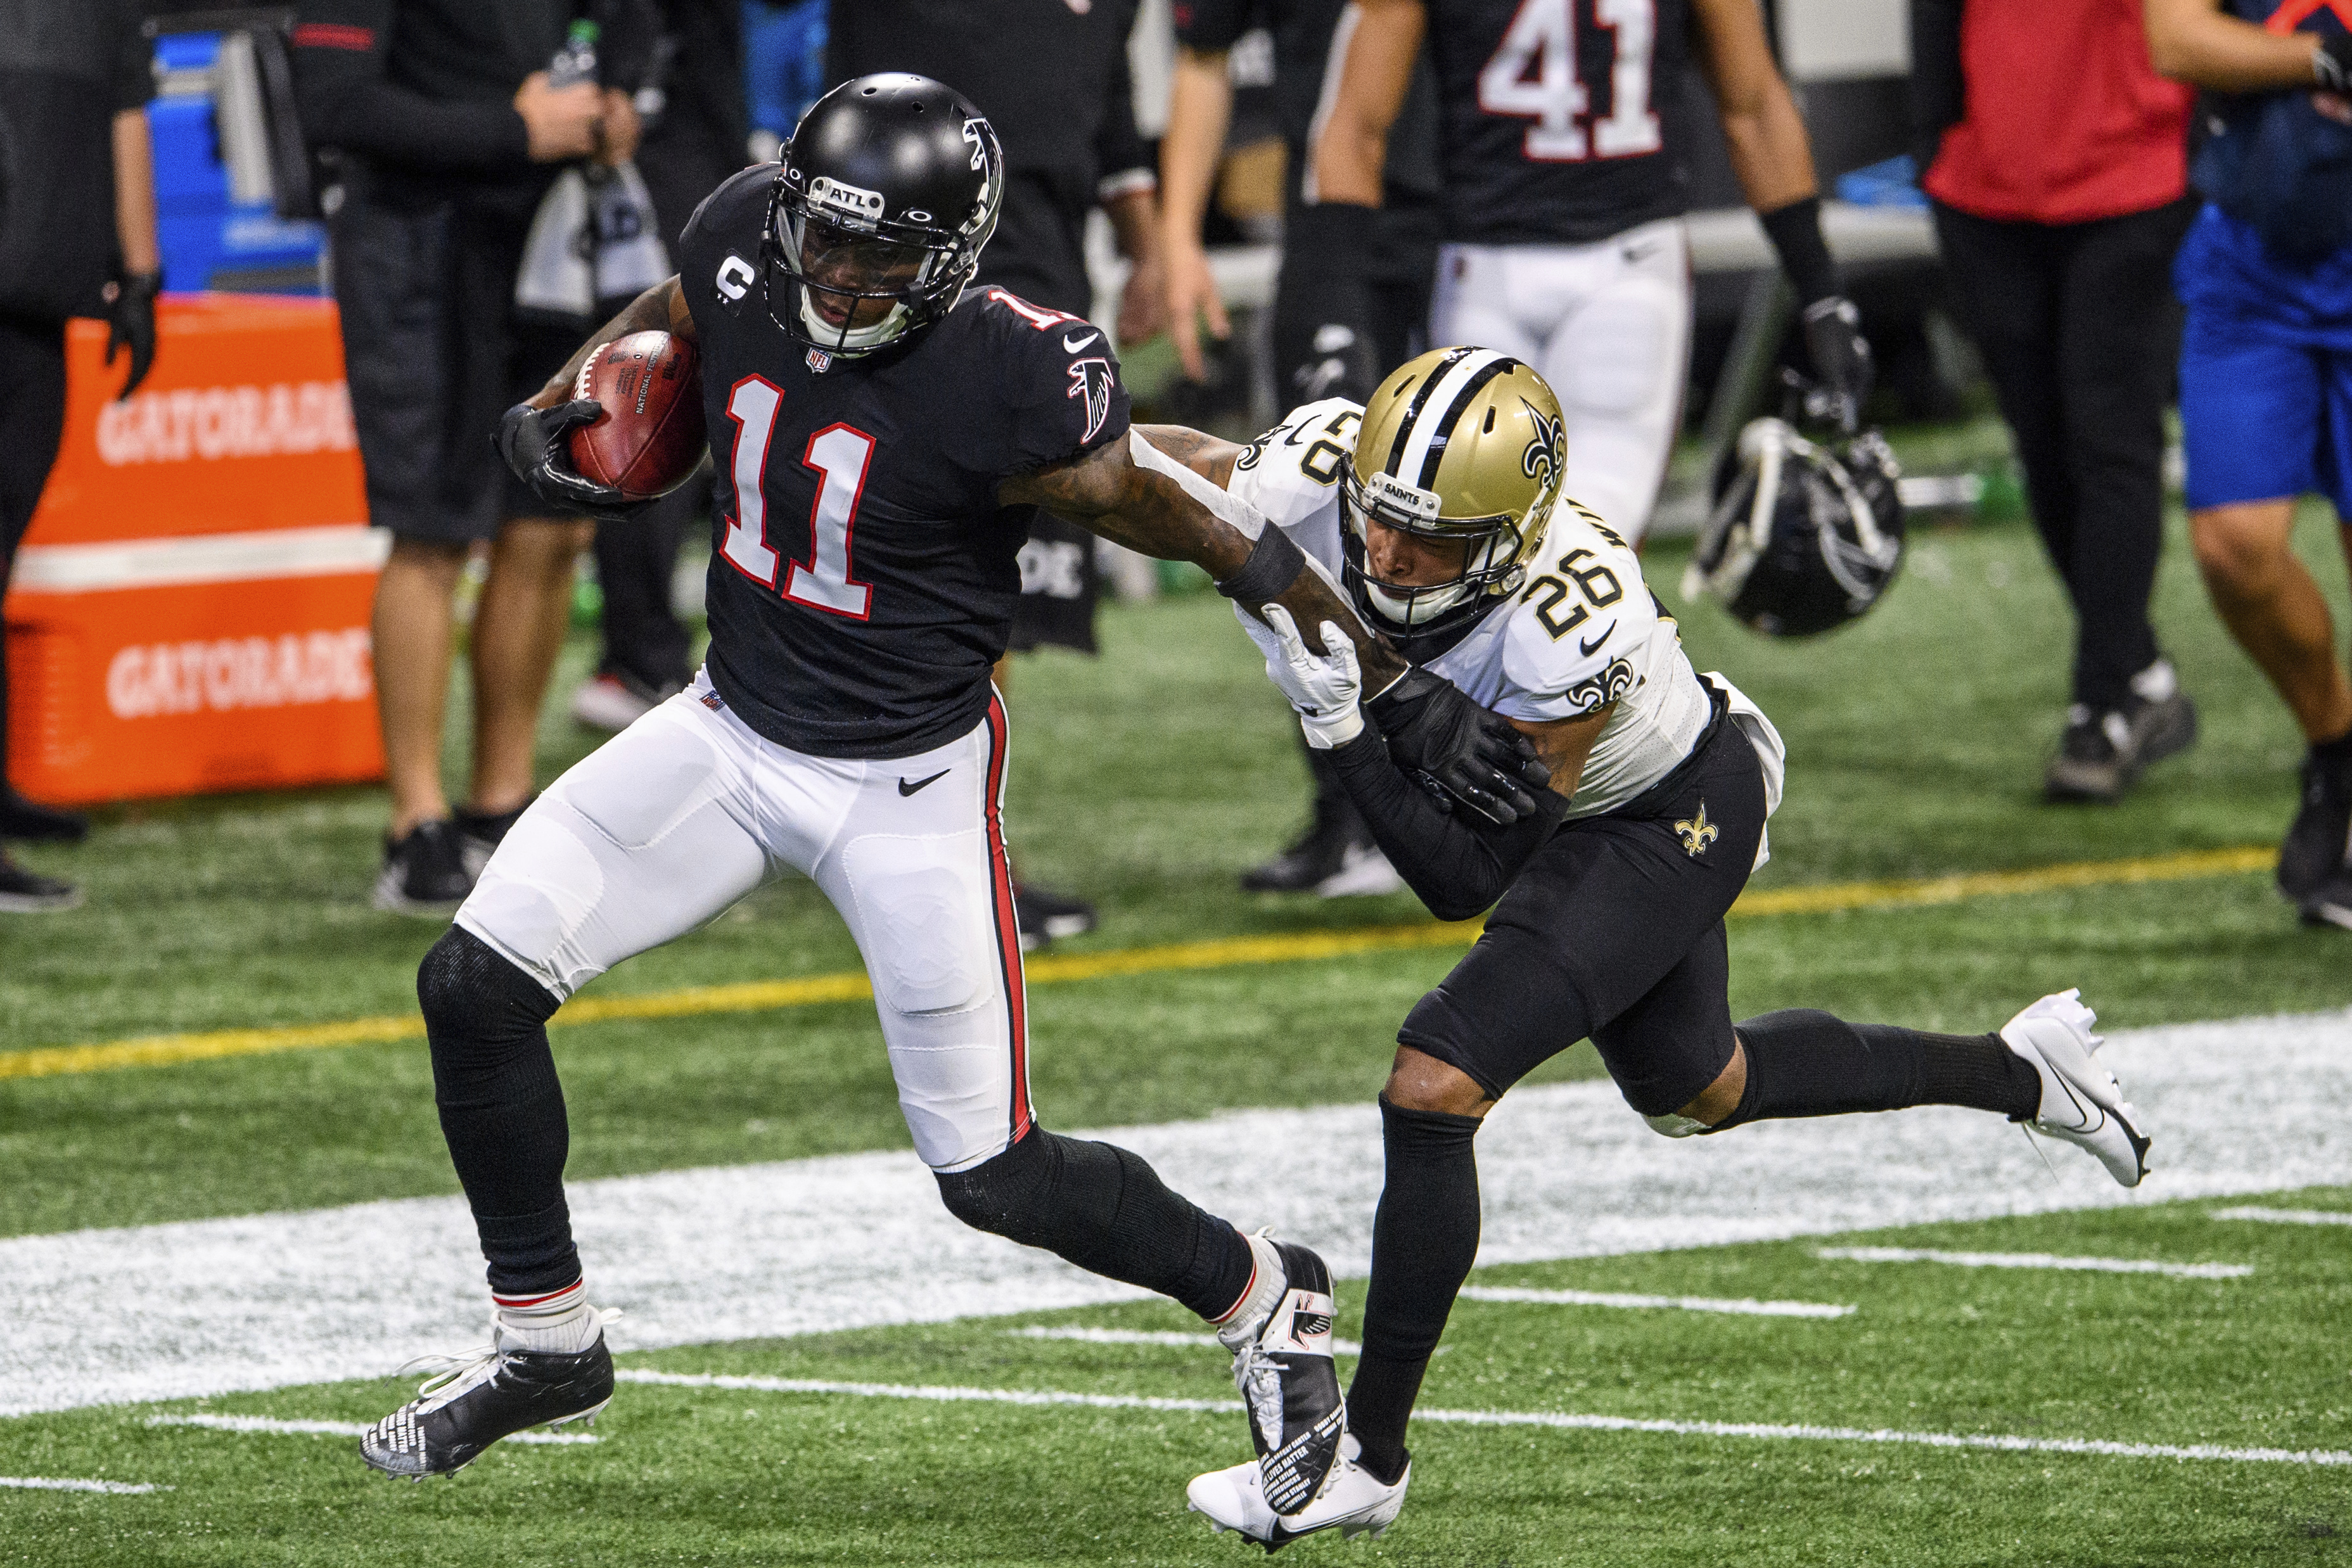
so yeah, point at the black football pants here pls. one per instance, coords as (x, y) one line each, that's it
(2081, 334)
(32, 421)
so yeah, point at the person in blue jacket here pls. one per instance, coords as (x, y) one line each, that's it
(2266, 369)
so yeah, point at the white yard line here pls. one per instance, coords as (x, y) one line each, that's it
(1143, 1336)
(270, 1424)
(2034, 1260)
(2287, 1215)
(208, 1307)
(1744, 1306)
(59, 1483)
(1564, 1420)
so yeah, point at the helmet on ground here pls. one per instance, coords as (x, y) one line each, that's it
(1803, 537)
(882, 200)
(1458, 445)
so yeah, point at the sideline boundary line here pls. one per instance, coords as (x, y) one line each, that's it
(2034, 1260)
(273, 1426)
(762, 996)
(60, 1483)
(1563, 1420)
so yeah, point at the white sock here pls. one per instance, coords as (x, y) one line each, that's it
(563, 1321)
(1239, 1324)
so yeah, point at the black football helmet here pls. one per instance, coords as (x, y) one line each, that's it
(882, 200)
(1803, 537)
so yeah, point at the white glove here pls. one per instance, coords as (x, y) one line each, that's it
(1323, 687)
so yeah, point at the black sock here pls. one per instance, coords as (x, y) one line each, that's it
(2334, 755)
(1104, 1209)
(1806, 1062)
(501, 1109)
(1424, 1239)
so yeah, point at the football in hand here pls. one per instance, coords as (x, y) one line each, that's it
(651, 435)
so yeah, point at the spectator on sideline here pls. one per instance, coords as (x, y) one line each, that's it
(2058, 163)
(2266, 370)
(1314, 357)
(76, 239)
(1054, 81)
(451, 133)
(697, 132)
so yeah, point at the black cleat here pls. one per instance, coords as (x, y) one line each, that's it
(1334, 858)
(473, 1401)
(1283, 1366)
(480, 834)
(2315, 857)
(2102, 754)
(1045, 915)
(24, 892)
(425, 871)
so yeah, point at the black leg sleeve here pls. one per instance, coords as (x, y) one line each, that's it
(501, 1109)
(1424, 1239)
(1805, 1062)
(1103, 1209)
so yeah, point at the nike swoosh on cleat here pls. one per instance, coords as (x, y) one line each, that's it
(907, 788)
(1070, 348)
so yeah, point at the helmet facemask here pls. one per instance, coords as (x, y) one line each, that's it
(1493, 550)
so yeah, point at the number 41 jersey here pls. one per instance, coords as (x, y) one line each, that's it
(1561, 121)
(1582, 632)
(863, 577)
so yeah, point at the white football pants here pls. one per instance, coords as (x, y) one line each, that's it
(1607, 325)
(688, 809)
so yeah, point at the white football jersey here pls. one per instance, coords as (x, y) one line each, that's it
(1582, 629)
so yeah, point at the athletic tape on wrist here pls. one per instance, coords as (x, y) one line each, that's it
(1274, 564)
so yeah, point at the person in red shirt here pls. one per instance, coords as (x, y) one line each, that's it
(2057, 161)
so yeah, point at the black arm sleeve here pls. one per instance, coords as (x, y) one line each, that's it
(348, 102)
(1458, 863)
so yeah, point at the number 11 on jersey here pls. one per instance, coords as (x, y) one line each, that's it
(840, 454)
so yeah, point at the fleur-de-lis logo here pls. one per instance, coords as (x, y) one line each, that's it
(1698, 832)
(1541, 459)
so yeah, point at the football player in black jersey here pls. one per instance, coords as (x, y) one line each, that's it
(1561, 139)
(879, 433)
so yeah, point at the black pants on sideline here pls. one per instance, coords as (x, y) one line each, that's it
(2081, 334)
(32, 422)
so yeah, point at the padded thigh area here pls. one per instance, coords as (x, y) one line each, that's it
(924, 920)
(636, 845)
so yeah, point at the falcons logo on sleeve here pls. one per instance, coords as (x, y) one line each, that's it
(1092, 380)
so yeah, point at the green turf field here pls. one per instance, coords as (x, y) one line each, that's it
(1147, 779)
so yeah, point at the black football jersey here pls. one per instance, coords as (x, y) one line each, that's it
(863, 578)
(1561, 121)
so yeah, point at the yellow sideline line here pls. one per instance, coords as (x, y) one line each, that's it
(758, 995)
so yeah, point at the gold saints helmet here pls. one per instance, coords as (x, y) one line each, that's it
(1459, 444)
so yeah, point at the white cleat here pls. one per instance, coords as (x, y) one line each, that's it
(1351, 1501)
(2081, 1100)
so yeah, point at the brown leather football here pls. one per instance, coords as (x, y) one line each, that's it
(651, 437)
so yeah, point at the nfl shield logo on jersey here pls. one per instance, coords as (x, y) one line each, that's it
(819, 361)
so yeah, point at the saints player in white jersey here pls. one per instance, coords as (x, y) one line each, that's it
(1437, 506)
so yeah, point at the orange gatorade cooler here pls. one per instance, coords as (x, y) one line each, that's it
(189, 610)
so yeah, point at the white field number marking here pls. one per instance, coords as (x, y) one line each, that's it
(273, 1426)
(1562, 1420)
(2034, 1260)
(59, 1483)
(1743, 1306)
(2288, 1216)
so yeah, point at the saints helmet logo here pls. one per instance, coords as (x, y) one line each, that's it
(1698, 832)
(1541, 460)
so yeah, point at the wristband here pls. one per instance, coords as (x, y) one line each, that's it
(1274, 564)
(1795, 232)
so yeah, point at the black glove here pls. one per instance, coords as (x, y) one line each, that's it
(2331, 63)
(536, 444)
(130, 317)
(1322, 311)
(1841, 362)
(1452, 747)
